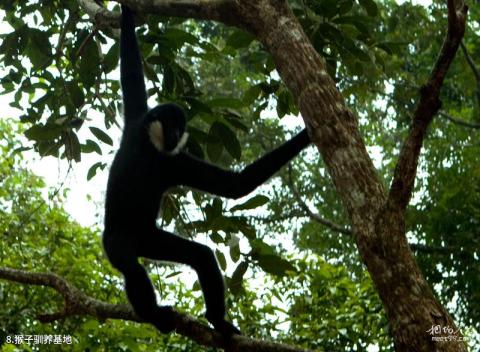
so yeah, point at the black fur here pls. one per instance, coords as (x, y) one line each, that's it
(139, 176)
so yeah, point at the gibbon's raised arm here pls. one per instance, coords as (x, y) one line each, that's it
(209, 178)
(131, 70)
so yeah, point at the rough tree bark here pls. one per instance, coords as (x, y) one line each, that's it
(377, 216)
(78, 303)
(377, 219)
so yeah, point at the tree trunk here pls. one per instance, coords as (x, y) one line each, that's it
(379, 228)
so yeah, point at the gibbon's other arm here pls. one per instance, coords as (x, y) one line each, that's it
(209, 178)
(131, 70)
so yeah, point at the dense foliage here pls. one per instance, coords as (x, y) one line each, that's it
(288, 275)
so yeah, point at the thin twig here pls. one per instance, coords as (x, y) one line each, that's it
(347, 231)
(470, 63)
(459, 121)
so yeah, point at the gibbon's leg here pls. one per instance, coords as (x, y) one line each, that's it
(140, 292)
(162, 245)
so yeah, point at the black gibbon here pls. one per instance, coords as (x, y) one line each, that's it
(150, 161)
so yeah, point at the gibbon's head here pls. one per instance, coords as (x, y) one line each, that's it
(166, 128)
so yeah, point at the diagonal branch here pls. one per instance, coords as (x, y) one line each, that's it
(78, 303)
(459, 121)
(314, 216)
(474, 68)
(429, 104)
(347, 231)
(471, 63)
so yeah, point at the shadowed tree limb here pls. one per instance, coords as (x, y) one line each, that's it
(429, 104)
(314, 216)
(471, 63)
(458, 121)
(78, 303)
(346, 230)
(475, 71)
(215, 10)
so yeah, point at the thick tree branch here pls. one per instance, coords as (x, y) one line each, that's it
(100, 15)
(78, 303)
(215, 10)
(458, 121)
(429, 104)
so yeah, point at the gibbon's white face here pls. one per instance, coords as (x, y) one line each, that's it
(157, 137)
(155, 132)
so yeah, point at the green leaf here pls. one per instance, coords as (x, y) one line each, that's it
(344, 6)
(370, 6)
(49, 148)
(214, 151)
(244, 227)
(43, 133)
(221, 259)
(217, 207)
(179, 37)
(102, 136)
(252, 203)
(73, 147)
(93, 170)
(391, 47)
(198, 106)
(194, 148)
(239, 39)
(360, 22)
(39, 49)
(91, 324)
(90, 147)
(356, 52)
(226, 103)
(235, 122)
(274, 264)
(89, 65)
(111, 59)
(237, 278)
(252, 94)
(229, 139)
(261, 248)
(235, 253)
(75, 94)
(216, 237)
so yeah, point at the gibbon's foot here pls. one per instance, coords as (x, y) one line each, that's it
(163, 320)
(224, 327)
